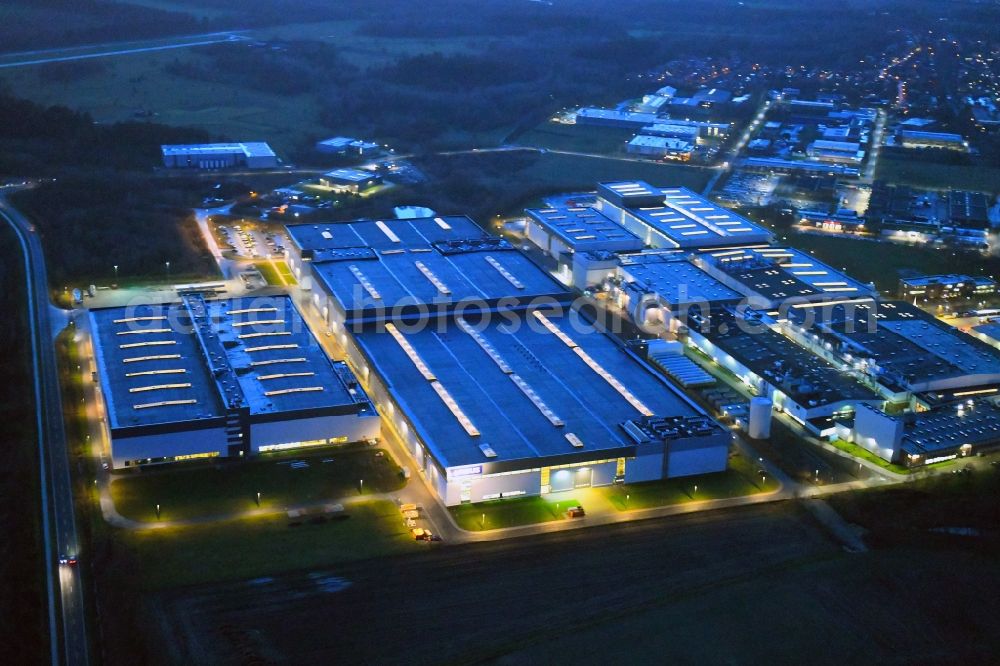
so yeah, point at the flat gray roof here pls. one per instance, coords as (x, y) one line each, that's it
(278, 362)
(808, 379)
(498, 411)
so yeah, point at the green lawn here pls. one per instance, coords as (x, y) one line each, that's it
(509, 513)
(227, 488)
(263, 546)
(276, 273)
(741, 478)
(865, 454)
(939, 176)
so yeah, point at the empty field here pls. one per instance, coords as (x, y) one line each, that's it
(578, 138)
(572, 173)
(939, 176)
(125, 87)
(760, 584)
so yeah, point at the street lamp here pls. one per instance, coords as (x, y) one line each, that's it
(157, 511)
(258, 498)
(168, 269)
(361, 486)
(116, 272)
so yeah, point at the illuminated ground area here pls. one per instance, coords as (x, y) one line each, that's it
(211, 491)
(742, 478)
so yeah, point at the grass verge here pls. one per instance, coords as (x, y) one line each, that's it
(740, 479)
(205, 491)
(509, 513)
(263, 546)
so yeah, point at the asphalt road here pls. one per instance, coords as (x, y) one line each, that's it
(67, 612)
(43, 57)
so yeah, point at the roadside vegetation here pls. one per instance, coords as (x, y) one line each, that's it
(22, 602)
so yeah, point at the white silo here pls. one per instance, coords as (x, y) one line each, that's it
(759, 426)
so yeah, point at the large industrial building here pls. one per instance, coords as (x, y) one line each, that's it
(675, 217)
(904, 350)
(661, 287)
(837, 152)
(252, 155)
(661, 147)
(498, 388)
(926, 437)
(946, 287)
(559, 230)
(802, 384)
(355, 181)
(778, 277)
(624, 217)
(938, 140)
(227, 378)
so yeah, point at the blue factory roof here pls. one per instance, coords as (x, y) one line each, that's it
(175, 362)
(418, 276)
(681, 217)
(151, 367)
(806, 378)
(910, 346)
(248, 148)
(490, 383)
(280, 366)
(371, 267)
(778, 273)
(944, 430)
(350, 175)
(418, 232)
(583, 225)
(674, 279)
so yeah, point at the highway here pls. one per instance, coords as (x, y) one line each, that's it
(66, 608)
(68, 55)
